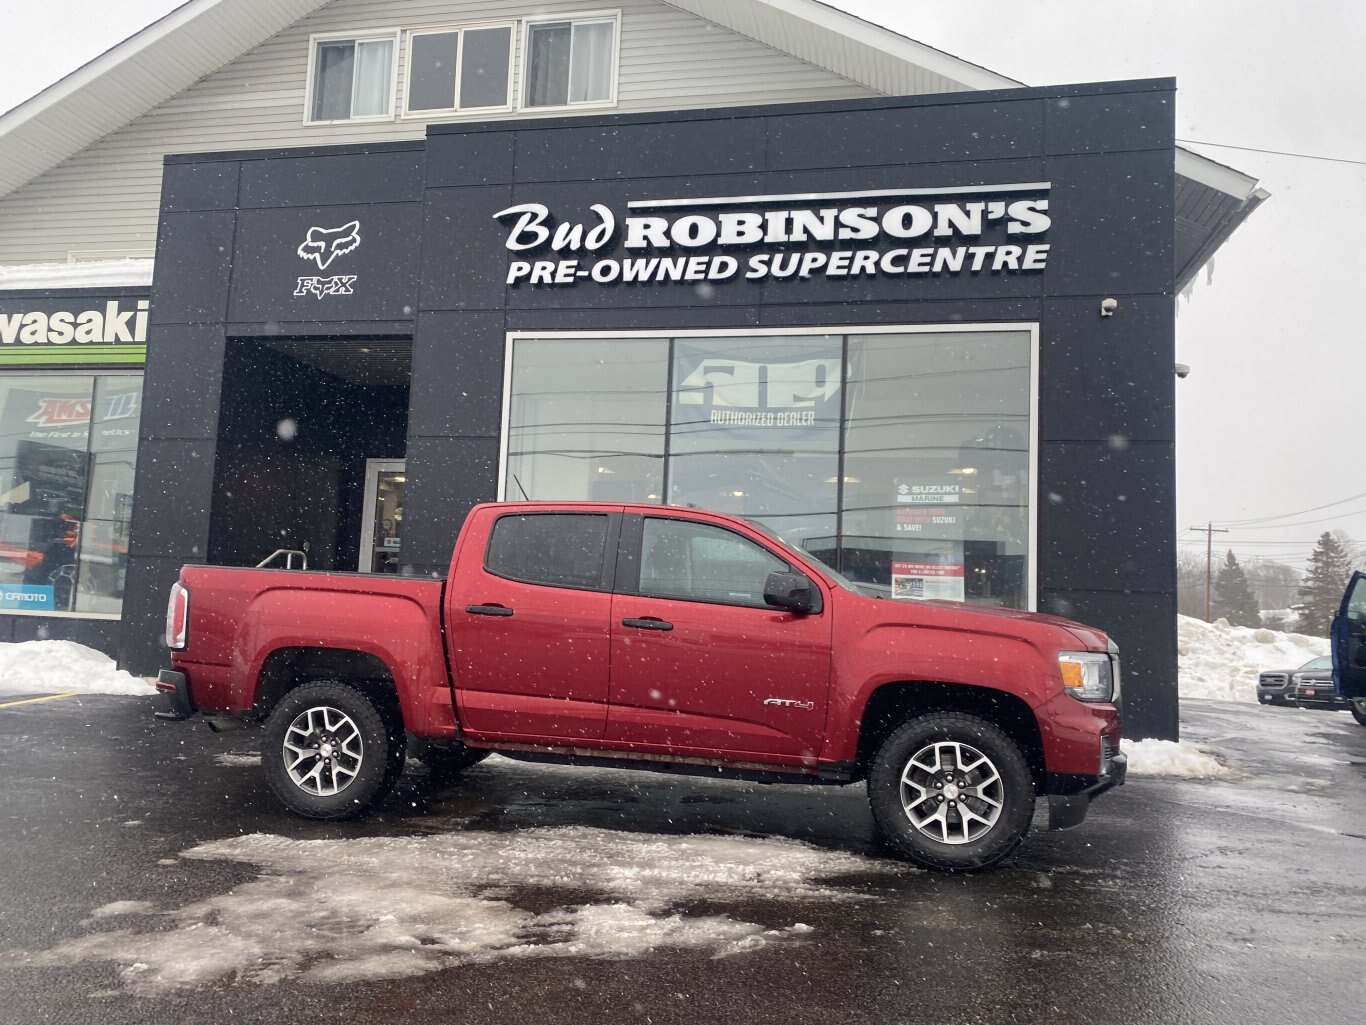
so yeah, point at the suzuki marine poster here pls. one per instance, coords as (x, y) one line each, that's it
(928, 558)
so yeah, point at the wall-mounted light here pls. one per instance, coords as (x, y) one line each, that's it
(1183, 370)
(1108, 307)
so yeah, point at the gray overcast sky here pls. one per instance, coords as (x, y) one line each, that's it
(1269, 420)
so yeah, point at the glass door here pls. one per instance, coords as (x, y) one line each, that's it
(382, 527)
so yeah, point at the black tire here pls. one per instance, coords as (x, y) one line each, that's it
(1358, 710)
(445, 761)
(363, 734)
(964, 844)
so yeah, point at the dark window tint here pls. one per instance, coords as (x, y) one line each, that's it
(696, 560)
(562, 550)
(548, 64)
(333, 81)
(484, 68)
(431, 71)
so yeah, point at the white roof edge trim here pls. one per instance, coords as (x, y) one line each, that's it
(111, 58)
(1215, 175)
(893, 43)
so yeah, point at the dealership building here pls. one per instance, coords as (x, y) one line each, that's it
(308, 279)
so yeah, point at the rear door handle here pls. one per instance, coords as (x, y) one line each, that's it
(488, 610)
(649, 623)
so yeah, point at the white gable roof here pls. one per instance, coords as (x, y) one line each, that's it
(201, 36)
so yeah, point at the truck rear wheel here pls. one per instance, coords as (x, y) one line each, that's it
(951, 791)
(331, 751)
(1359, 710)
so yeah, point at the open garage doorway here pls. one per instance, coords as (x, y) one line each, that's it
(303, 423)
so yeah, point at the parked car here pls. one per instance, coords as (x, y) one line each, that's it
(1349, 647)
(1309, 686)
(656, 638)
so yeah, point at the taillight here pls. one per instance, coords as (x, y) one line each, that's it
(178, 617)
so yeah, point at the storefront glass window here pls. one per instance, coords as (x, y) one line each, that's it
(904, 459)
(587, 420)
(68, 446)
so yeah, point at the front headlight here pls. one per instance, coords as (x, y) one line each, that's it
(1087, 675)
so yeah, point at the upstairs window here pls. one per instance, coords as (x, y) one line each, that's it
(459, 69)
(571, 62)
(352, 78)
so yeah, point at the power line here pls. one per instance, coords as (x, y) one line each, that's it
(1297, 512)
(1274, 152)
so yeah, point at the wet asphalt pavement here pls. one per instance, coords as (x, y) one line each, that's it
(1238, 900)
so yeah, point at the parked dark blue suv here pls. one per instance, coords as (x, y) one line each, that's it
(1349, 647)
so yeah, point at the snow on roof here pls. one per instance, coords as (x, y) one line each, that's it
(87, 274)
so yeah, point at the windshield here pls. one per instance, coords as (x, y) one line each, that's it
(1326, 662)
(853, 586)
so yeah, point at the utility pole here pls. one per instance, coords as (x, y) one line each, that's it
(1209, 532)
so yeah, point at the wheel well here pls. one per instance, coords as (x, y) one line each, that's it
(893, 703)
(288, 668)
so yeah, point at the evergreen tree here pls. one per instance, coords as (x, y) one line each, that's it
(1233, 598)
(1330, 567)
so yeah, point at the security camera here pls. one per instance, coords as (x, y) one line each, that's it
(1183, 370)
(1108, 307)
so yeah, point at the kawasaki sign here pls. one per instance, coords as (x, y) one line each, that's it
(109, 322)
(882, 233)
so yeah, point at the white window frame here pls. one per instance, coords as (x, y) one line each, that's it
(575, 18)
(1030, 327)
(413, 115)
(375, 35)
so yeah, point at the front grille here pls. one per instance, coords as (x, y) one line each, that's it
(1274, 679)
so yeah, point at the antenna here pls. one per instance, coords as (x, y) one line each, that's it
(525, 496)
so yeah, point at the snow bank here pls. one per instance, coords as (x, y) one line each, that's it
(59, 667)
(1168, 758)
(1221, 661)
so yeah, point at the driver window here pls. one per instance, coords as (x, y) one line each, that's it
(701, 562)
(1356, 601)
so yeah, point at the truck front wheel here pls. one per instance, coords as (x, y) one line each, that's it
(1359, 710)
(331, 751)
(951, 791)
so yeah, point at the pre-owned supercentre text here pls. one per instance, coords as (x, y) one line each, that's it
(949, 230)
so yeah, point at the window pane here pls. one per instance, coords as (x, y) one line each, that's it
(44, 427)
(590, 73)
(587, 420)
(484, 68)
(374, 74)
(698, 561)
(431, 71)
(560, 550)
(548, 46)
(333, 72)
(936, 473)
(103, 556)
(755, 431)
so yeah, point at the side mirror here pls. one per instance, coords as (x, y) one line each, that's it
(792, 591)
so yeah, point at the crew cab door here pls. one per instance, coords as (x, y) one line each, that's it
(528, 614)
(1349, 640)
(700, 664)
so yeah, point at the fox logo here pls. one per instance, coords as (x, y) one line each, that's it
(323, 245)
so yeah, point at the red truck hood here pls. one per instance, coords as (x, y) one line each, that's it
(1089, 638)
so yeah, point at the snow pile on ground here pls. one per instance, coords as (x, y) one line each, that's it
(63, 667)
(1220, 661)
(1169, 758)
(332, 911)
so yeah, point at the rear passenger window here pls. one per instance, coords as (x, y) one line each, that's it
(557, 549)
(679, 559)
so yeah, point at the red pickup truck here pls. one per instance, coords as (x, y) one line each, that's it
(657, 638)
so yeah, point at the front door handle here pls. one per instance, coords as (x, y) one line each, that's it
(648, 623)
(488, 610)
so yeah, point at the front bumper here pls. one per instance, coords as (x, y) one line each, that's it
(1069, 795)
(172, 699)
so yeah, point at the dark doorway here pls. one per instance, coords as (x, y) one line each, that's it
(299, 420)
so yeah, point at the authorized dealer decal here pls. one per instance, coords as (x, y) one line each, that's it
(897, 232)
